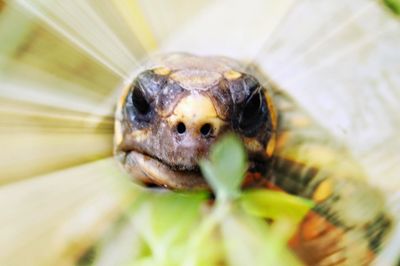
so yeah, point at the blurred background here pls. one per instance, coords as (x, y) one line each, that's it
(62, 64)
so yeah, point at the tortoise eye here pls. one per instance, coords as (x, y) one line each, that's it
(140, 108)
(139, 102)
(253, 115)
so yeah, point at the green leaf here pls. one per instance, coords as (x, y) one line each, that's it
(394, 5)
(275, 205)
(226, 167)
(252, 241)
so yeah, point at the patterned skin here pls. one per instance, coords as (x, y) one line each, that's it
(180, 104)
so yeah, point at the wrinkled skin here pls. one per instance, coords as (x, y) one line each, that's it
(180, 104)
(203, 99)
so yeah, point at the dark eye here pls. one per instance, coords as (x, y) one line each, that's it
(253, 115)
(140, 108)
(139, 102)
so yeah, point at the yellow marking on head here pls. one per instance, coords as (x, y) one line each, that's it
(163, 71)
(194, 111)
(122, 99)
(323, 191)
(196, 106)
(117, 134)
(272, 110)
(232, 75)
(271, 145)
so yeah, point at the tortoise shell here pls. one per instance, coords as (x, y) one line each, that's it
(178, 105)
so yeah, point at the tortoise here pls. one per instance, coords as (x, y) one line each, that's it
(179, 104)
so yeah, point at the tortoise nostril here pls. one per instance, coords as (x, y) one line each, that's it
(181, 128)
(206, 129)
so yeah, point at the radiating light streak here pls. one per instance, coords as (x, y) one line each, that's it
(325, 38)
(73, 38)
(337, 55)
(60, 201)
(48, 90)
(133, 15)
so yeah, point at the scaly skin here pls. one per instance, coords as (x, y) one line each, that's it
(180, 104)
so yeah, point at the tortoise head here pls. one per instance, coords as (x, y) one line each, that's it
(170, 115)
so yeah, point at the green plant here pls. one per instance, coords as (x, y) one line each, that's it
(169, 228)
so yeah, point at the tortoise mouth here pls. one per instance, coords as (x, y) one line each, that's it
(151, 170)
